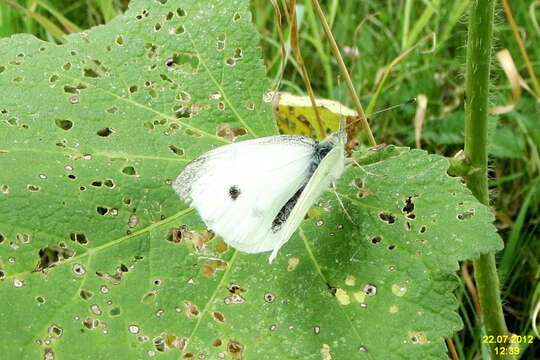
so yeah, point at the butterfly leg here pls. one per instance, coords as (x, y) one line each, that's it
(352, 161)
(341, 204)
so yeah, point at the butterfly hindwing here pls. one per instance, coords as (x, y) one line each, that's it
(327, 171)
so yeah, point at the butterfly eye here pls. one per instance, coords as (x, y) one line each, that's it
(234, 192)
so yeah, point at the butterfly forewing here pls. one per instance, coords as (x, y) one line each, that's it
(238, 189)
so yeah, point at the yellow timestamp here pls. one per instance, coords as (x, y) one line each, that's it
(507, 344)
(512, 350)
(507, 339)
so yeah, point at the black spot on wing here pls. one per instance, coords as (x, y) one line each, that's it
(234, 192)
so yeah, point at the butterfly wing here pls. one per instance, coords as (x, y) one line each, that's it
(329, 169)
(238, 189)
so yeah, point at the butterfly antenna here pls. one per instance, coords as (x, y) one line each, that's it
(410, 101)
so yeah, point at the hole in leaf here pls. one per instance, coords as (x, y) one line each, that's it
(182, 112)
(33, 188)
(109, 183)
(120, 40)
(370, 290)
(115, 311)
(176, 235)
(149, 297)
(91, 73)
(55, 331)
(50, 256)
(104, 132)
(388, 218)
(70, 89)
(133, 221)
(175, 149)
(180, 12)
(85, 295)
(90, 323)
(269, 297)
(376, 239)
(466, 215)
(180, 30)
(129, 170)
(78, 237)
(64, 124)
(102, 210)
(409, 205)
(97, 183)
(23, 238)
(238, 54)
(4, 189)
(187, 59)
(72, 177)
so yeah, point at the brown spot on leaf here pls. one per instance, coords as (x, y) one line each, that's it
(227, 132)
(235, 349)
(209, 267)
(218, 316)
(191, 310)
(217, 343)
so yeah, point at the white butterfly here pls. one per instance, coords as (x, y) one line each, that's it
(255, 193)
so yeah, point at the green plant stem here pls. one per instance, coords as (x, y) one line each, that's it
(344, 72)
(476, 124)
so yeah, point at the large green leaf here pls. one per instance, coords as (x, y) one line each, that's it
(100, 259)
